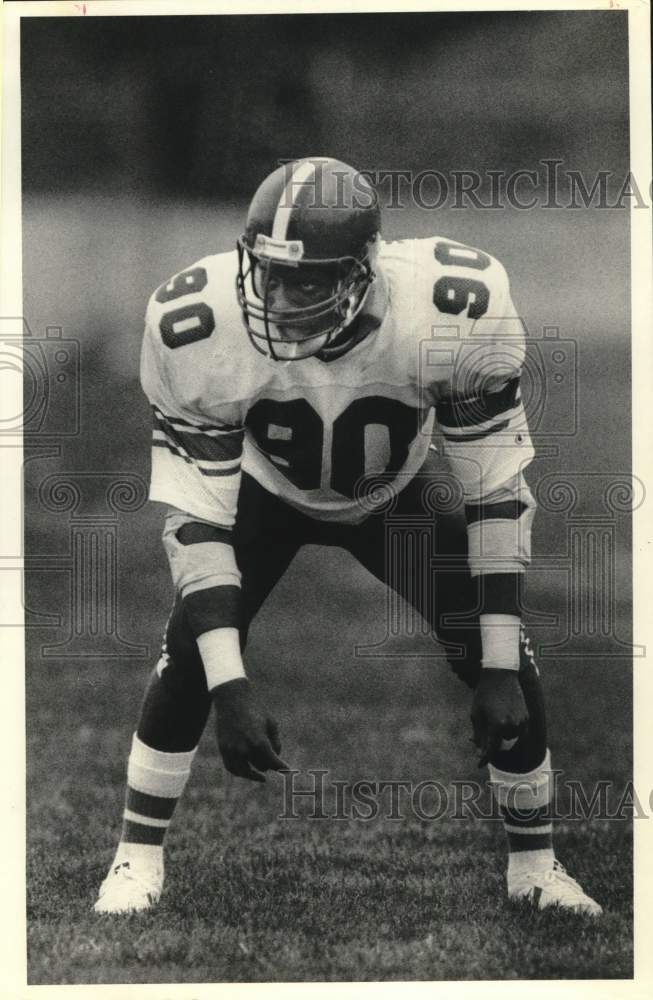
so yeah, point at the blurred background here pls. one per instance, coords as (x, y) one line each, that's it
(143, 139)
(202, 107)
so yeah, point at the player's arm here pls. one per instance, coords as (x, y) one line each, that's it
(487, 442)
(499, 533)
(499, 521)
(196, 471)
(205, 572)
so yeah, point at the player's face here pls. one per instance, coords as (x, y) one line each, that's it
(289, 289)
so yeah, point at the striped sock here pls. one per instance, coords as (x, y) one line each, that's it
(525, 801)
(155, 781)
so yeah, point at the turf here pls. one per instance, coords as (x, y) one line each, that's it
(253, 896)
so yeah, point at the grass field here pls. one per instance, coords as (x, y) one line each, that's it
(251, 896)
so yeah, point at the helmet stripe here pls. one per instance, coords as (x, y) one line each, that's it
(302, 174)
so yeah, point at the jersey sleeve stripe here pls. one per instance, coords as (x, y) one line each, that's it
(472, 411)
(206, 432)
(204, 428)
(161, 439)
(492, 429)
(483, 425)
(198, 444)
(220, 472)
(202, 449)
(207, 468)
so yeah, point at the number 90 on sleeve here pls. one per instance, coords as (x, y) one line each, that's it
(453, 293)
(187, 323)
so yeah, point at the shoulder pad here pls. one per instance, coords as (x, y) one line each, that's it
(191, 306)
(475, 339)
(195, 350)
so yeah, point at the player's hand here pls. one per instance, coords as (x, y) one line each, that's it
(498, 711)
(248, 739)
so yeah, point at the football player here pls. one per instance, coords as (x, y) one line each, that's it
(295, 385)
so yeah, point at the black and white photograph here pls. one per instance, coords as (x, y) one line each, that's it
(325, 376)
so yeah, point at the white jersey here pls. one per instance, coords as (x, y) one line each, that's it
(445, 352)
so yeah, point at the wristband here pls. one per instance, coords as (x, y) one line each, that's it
(221, 657)
(500, 641)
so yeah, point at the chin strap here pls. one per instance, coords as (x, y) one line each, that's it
(361, 327)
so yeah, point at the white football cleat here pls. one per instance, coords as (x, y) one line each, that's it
(128, 889)
(553, 887)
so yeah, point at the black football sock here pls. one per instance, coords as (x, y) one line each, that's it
(173, 717)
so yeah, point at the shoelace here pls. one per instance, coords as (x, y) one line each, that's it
(560, 873)
(124, 871)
